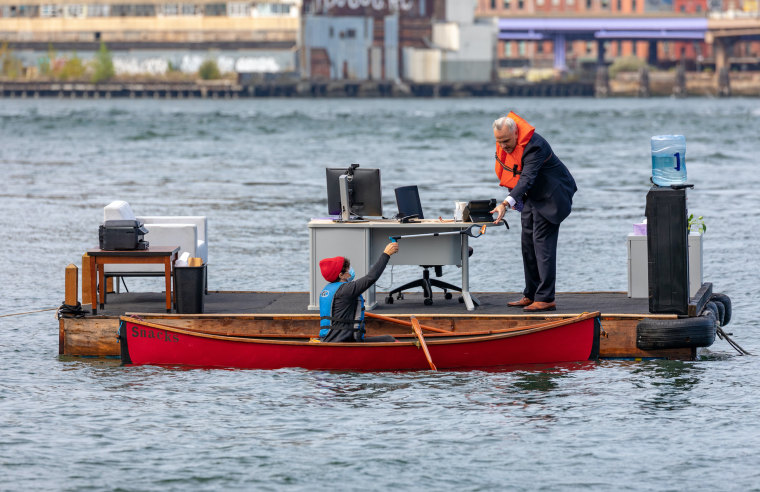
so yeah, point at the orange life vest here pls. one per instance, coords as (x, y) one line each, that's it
(509, 165)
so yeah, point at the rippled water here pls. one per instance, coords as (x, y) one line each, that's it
(256, 169)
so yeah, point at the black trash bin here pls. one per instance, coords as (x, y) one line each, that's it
(189, 289)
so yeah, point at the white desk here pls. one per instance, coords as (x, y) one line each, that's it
(362, 243)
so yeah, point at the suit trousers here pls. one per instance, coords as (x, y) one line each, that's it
(539, 252)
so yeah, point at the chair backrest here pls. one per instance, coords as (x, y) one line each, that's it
(408, 201)
(118, 210)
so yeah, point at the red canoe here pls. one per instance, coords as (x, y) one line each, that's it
(566, 340)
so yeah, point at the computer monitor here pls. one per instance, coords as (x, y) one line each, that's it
(364, 192)
(408, 201)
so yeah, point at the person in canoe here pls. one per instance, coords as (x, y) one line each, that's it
(541, 188)
(342, 297)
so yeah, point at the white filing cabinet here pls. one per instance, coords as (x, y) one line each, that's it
(638, 269)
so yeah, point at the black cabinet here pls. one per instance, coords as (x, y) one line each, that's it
(667, 250)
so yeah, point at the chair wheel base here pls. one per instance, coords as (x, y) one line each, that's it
(389, 300)
(428, 301)
(448, 295)
(461, 300)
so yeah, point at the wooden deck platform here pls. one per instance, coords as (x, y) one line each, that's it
(253, 311)
(492, 303)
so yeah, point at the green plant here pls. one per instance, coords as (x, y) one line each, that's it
(626, 64)
(46, 63)
(102, 65)
(10, 66)
(73, 68)
(697, 223)
(209, 70)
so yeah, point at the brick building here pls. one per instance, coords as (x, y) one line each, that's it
(580, 52)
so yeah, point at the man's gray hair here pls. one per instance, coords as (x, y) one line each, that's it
(502, 121)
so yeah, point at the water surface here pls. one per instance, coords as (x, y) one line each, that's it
(256, 169)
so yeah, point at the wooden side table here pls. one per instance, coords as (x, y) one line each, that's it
(165, 255)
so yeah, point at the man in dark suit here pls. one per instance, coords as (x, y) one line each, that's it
(542, 188)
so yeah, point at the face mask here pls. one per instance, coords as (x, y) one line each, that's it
(352, 274)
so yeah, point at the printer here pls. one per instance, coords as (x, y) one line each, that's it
(122, 235)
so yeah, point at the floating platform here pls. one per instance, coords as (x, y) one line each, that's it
(286, 313)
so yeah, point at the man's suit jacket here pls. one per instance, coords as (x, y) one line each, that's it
(545, 181)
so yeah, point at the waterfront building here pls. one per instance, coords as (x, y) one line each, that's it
(516, 53)
(584, 53)
(152, 36)
(423, 41)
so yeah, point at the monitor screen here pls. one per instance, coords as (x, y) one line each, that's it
(408, 201)
(364, 192)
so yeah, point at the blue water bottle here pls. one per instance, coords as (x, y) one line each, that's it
(668, 160)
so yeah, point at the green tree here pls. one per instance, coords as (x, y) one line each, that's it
(73, 68)
(102, 65)
(10, 66)
(46, 64)
(209, 70)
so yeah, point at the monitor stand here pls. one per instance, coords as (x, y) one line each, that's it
(345, 203)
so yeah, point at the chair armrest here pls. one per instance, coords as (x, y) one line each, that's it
(202, 251)
(198, 220)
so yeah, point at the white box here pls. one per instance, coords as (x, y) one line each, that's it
(638, 268)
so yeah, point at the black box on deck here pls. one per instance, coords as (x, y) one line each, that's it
(667, 250)
(189, 288)
(122, 235)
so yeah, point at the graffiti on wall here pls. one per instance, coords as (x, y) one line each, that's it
(379, 6)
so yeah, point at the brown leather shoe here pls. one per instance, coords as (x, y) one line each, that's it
(540, 306)
(521, 303)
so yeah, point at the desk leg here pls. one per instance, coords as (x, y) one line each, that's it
(168, 277)
(102, 284)
(468, 300)
(94, 284)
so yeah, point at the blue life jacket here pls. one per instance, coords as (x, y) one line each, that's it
(326, 298)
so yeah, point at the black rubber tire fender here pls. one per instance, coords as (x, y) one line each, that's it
(712, 307)
(726, 301)
(721, 311)
(654, 334)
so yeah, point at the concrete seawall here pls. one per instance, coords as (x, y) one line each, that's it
(658, 84)
(233, 90)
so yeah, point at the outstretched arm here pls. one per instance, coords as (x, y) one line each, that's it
(361, 284)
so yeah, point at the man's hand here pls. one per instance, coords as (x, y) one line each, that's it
(391, 249)
(500, 209)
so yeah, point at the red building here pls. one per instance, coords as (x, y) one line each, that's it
(541, 54)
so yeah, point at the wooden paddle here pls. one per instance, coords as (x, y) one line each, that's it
(406, 323)
(418, 333)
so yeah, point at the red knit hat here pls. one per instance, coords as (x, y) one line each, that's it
(331, 268)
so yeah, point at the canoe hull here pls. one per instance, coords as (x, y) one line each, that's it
(149, 343)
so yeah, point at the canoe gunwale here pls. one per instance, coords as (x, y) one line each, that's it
(433, 339)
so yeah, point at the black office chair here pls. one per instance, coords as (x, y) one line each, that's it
(409, 207)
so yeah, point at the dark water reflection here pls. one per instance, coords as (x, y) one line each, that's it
(667, 384)
(256, 169)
